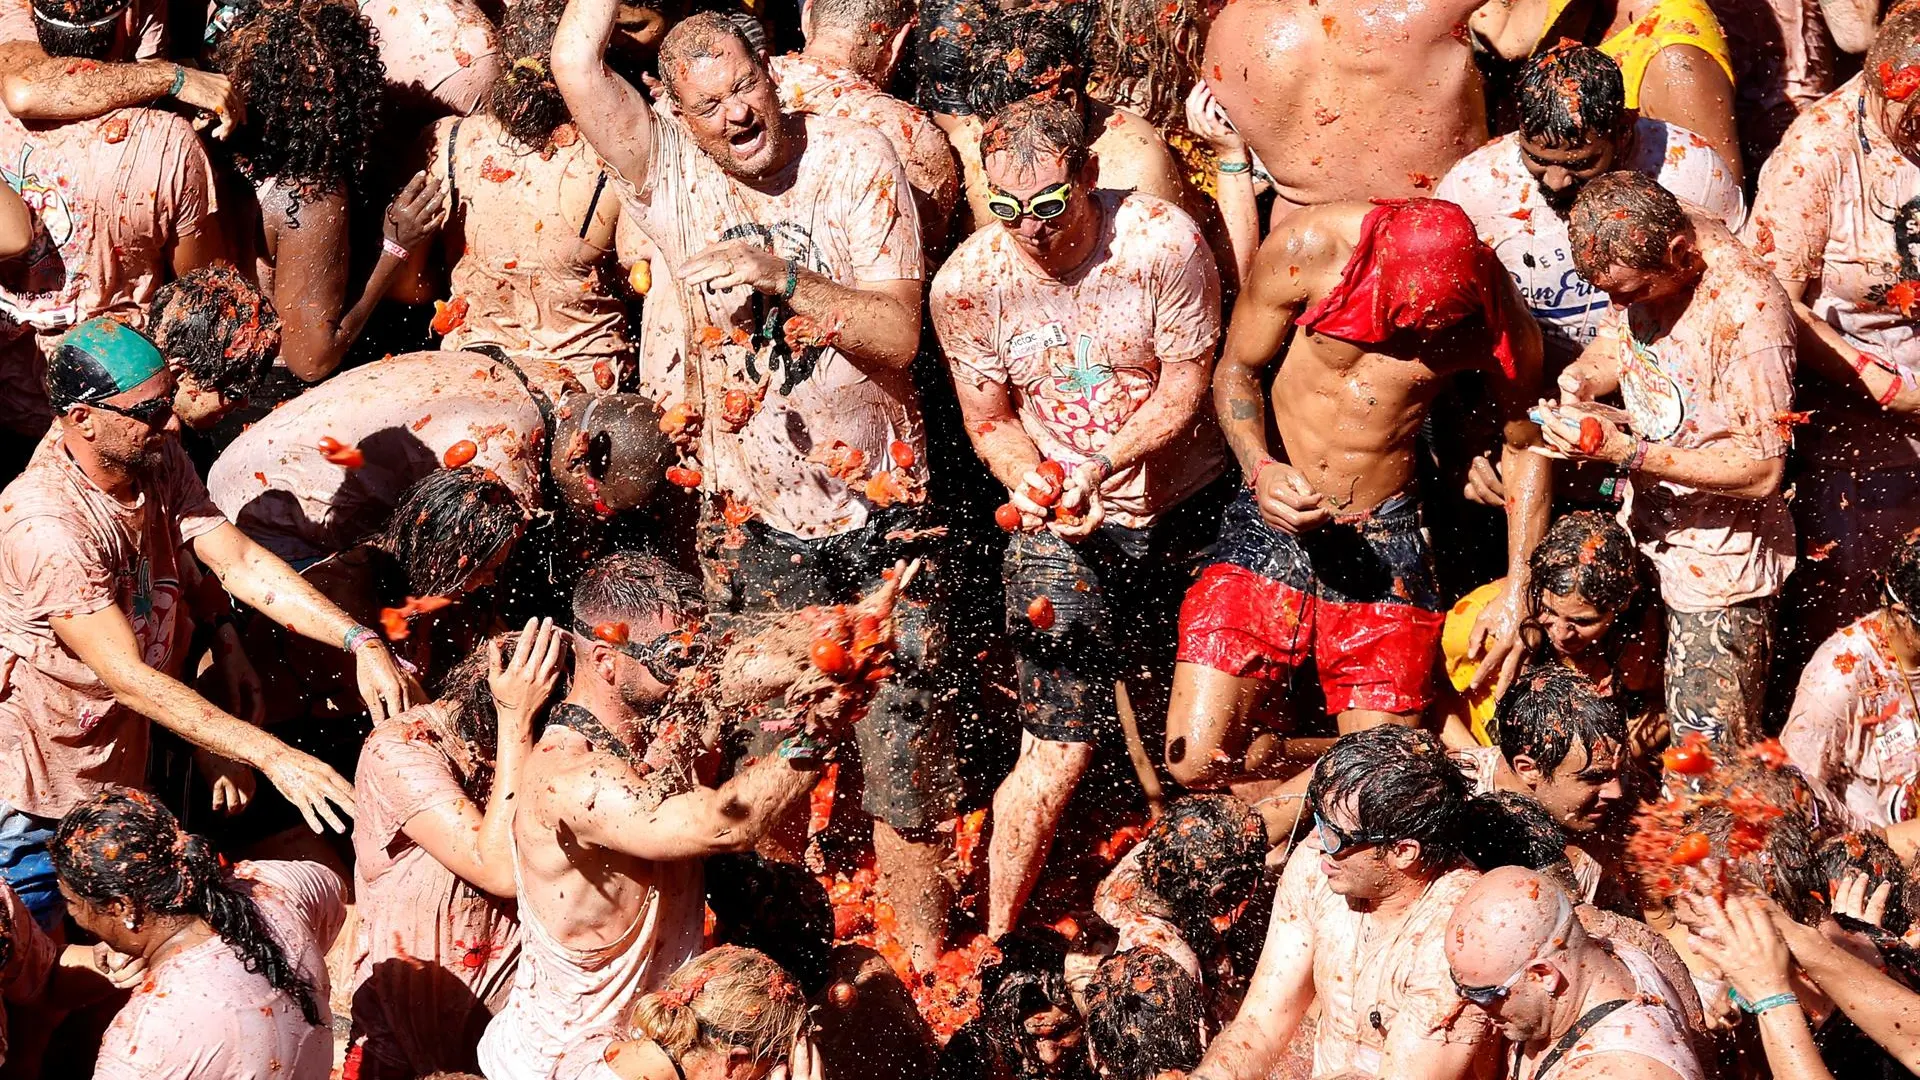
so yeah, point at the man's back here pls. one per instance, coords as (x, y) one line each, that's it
(598, 928)
(1289, 71)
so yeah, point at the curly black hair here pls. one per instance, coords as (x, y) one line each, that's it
(123, 845)
(214, 323)
(315, 91)
(524, 97)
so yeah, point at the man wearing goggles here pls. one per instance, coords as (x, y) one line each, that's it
(1572, 1005)
(1080, 331)
(1358, 923)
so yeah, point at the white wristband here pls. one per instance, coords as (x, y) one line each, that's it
(387, 245)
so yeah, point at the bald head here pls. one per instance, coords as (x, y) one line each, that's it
(607, 449)
(1509, 919)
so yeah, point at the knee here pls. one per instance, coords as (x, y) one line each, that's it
(1193, 763)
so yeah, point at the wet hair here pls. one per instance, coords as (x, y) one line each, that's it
(725, 998)
(448, 524)
(1873, 856)
(315, 90)
(1146, 55)
(1028, 977)
(1034, 128)
(1144, 1014)
(524, 98)
(93, 27)
(1199, 844)
(1624, 219)
(696, 37)
(1549, 710)
(874, 20)
(1018, 54)
(628, 586)
(1901, 580)
(1570, 95)
(1584, 553)
(218, 327)
(1402, 786)
(1506, 828)
(1895, 48)
(777, 908)
(123, 845)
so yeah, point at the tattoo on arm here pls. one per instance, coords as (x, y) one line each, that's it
(1243, 409)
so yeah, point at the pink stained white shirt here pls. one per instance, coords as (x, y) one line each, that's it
(433, 955)
(1853, 731)
(201, 1015)
(111, 197)
(1838, 209)
(1721, 376)
(1495, 188)
(404, 413)
(1399, 972)
(848, 215)
(69, 548)
(1079, 356)
(440, 55)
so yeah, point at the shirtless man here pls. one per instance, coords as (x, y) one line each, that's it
(784, 314)
(1516, 950)
(612, 827)
(1287, 72)
(1370, 308)
(409, 415)
(852, 49)
(1358, 923)
(1700, 344)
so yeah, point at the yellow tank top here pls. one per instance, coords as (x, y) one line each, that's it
(1454, 636)
(1670, 23)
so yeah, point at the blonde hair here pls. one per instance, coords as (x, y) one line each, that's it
(721, 999)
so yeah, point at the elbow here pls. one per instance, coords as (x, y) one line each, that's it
(21, 96)
(1767, 480)
(308, 365)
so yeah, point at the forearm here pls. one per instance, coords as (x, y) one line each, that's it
(614, 117)
(1005, 447)
(1247, 1048)
(1242, 413)
(1888, 1012)
(258, 578)
(1529, 483)
(1167, 414)
(755, 799)
(174, 705)
(1240, 217)
(1828, 354)
(63, 88)
(1722, 470)
(1791, 1052)
(318, 354)
(875, 332)
(493, 845)
(1851, 22)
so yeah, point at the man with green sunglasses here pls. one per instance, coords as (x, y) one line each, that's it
(1080, 327)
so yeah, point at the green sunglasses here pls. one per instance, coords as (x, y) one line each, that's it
(1047, 204)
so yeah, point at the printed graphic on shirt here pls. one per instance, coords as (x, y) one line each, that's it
(788, 240)
(1902, 295)
(41, 178)
(1653, 399)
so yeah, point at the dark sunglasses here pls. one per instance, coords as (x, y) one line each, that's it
(1485, 996)
(153, 412)
(1333, 841)
(1046, 204)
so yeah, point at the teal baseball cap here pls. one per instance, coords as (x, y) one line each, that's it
(98, 359)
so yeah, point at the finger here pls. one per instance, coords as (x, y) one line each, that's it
(333, 820)
(523, 648)
(1877, 903)
(305, 806)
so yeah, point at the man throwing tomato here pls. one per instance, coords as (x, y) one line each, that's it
(1080, 333)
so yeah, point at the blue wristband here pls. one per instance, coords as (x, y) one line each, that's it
(1765, 1004)
(179, 81)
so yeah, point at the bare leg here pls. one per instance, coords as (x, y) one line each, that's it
(912, 880)
(1026, 811)
(1209, 724)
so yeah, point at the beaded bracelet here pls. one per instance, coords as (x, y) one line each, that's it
(793, 280)
(802, 747)
(357, 636)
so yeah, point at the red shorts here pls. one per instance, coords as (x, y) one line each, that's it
(1374, 656)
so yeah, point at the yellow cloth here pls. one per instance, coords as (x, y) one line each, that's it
(1670, 23)
(1460, 670)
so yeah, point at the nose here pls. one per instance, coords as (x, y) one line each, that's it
(1031, 227)
(737, 112)
(1612, 791)
(1557, 178)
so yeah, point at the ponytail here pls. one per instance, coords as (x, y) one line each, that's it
(123, 845)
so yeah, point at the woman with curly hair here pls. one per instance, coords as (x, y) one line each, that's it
(236, 985)
(1589, 609)
(531, 223)
(313, 86)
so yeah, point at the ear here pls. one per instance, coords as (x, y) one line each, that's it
(1404, 855)
(1527, 769)
(1680, 250)
(79, 418)
(739, 1061)
(898, 46)
(806, 20)
(601, 657)
(1090, 172)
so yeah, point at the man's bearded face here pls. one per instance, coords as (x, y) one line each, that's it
(730, 107)
(1561, 171)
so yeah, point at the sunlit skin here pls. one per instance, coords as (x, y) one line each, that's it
(1571, 623)
(732, 109)
(1562, 170)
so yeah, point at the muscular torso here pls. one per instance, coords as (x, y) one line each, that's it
(1348, 98)
(585, 896)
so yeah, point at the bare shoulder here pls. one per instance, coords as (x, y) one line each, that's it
(1616, 1066)
(1311, 245)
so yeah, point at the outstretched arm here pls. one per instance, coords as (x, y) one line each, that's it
(36, 86)
(607, 809)
(1279, 994)
(610, 112)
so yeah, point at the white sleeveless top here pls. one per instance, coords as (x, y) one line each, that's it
(1651, 1026)
(561, 993)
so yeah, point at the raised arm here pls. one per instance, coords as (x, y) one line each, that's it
(104, 641)
(1528, 479)
(261, 580)
(1888, 1012)
(613, 115)
(477, 845)
(608, 811)
(1232, 183)
(1278, 996)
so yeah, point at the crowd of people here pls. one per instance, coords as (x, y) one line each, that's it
(983, 539)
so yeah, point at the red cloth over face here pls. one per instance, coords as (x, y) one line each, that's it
(1418, 266)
